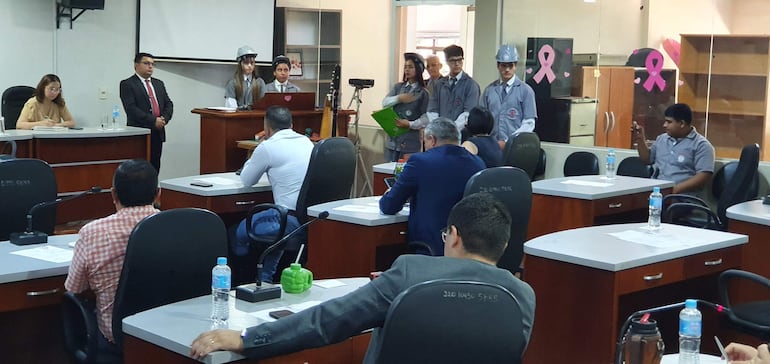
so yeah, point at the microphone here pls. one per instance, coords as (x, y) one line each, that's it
(619, 349)
(257, 292)
(30, 236)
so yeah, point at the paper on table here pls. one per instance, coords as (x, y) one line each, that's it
(329, 283)
(219, 181)
(359, 208)
(586, 183)
(659, 239)
(47, 253)
(222, 108)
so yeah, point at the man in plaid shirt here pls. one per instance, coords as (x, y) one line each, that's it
(101, 245)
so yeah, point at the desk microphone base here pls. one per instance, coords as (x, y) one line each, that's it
(251, 293)
(28, 238)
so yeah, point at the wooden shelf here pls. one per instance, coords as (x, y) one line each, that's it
(737, 73)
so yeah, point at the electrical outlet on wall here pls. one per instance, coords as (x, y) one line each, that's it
(102, 94)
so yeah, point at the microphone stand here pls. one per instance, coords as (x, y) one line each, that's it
(29, 236)
(260, 291)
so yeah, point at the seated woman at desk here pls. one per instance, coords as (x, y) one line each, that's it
(480, 124)
(46, 107)
(281, 66)
(240, 90)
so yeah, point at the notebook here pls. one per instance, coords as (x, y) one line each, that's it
(292, 100)
(387, 120)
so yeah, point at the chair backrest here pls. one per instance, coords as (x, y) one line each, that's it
(581, 164)
(23, 184)
(329, 175)
(523, 151)
(541, 163)
(8, 151)
(737, 189)
(750, 315)
(724, 175)
(513, 188)
(13, 100)
(79, 321)
(169, 257)
(446, 321)
(634, 167)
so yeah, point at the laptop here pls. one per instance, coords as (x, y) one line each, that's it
(292, 100)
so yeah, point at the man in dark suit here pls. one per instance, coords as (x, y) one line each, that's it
(434, 181)
(476, 235)
(147, 104)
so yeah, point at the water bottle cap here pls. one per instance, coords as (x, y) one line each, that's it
(656, 189)
(611, 150)
(222, 261)
(691, 303)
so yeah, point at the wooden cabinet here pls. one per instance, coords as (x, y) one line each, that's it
(727, 88)
(316, 36)
(613, 87)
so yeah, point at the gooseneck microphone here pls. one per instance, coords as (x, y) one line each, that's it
(30, 236)
(619, 349)
(257, 292)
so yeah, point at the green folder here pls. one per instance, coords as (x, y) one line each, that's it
(387, 120)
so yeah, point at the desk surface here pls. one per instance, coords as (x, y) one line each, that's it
(750, 211)
(360, 211)
(596, 187)
(16, 135)
(224, 184)
(175, 326)
(90, 132)
(594, 247)
(15, 268)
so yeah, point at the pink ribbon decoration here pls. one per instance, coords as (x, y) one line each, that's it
(654, 64)
(546, 56)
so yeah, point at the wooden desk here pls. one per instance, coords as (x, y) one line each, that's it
(752, 218)
(23, 139)
(228, 197)
(164, 334)
(30, 308)
(572, 202)
(221, 130)
(379, 173)
(587, 282)
(355, 239)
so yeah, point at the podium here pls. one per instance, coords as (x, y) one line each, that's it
(220, 131)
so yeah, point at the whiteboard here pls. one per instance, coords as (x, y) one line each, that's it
(205, 30)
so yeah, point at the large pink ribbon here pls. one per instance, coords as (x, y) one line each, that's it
(546, 56)
(654, 64)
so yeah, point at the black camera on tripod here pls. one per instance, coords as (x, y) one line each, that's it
(361, 82)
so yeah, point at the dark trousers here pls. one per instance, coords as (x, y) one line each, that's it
(156, 149)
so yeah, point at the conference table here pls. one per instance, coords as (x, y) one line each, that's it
(588, 280)
(220, 131)
(82, 159)
(356, 239)
(164, 334)
(31, 286)
(752, 218)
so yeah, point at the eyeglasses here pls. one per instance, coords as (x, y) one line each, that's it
(455, 60)
(53, 89)
(147, 63)
(505, 65)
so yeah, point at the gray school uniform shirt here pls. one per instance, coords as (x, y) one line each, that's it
(287, 87)
(409, 142)
(511, 109)
(452, 102)
(680, 159)
(247, 98)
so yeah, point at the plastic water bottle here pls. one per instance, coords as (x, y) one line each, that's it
(115, 114)
(656, 206)
(611, 164)
(689, 333)
(220, 290)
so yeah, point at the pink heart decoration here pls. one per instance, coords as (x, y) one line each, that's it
(529, 70)
(287, 98)
(637, 80)
(681, 82)
(566, 74)
(568, 51)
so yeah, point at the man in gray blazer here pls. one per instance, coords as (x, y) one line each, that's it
(476, 235)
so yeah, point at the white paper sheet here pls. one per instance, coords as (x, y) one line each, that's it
(359, 208)
(219, 181)
(48, 253)
(586, 183)
(222, 108)
(328, 283)
(658, 239)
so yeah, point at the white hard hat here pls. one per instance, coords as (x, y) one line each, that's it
(507, 54)
(245, 51)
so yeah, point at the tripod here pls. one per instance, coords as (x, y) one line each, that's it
(360, 165)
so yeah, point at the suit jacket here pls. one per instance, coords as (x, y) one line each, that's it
(365, 308)
(435, 181)
(136, 103)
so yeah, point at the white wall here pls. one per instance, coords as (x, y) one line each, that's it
(750, 17)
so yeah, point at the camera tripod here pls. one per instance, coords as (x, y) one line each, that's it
(360, 165)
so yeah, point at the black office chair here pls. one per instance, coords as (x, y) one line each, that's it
(329, 177)
(13, 100)
(513, 188)
(581, 164)
(523, 151)
(540, 169)
(748, 316)
(438, 322)
(80, 326)
(24, 183)
(692, 211)
(8, 151)
(634, 167)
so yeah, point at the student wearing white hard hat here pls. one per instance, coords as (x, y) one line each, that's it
(511, 101)
(240, 90)
(281, 67)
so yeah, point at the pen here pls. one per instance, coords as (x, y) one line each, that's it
(721, 347)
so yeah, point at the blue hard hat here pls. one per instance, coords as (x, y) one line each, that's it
(507, 53)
